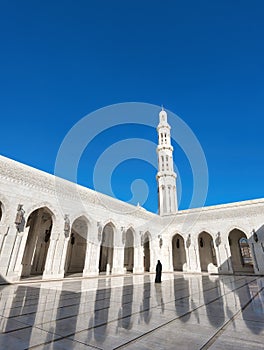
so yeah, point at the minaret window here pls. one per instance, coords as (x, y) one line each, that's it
(167, 164)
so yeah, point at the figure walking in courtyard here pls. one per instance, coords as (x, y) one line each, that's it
(158, 272)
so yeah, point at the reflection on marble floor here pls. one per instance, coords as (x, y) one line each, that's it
(132, 312)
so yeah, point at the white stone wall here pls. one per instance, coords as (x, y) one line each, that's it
(21, 184)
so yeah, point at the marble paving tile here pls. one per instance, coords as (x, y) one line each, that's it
(8, 342)
(9, 325)
(64, 344)
(245, 330)
(107, 337)
(233, 344)
(28, 337)
(174, 337)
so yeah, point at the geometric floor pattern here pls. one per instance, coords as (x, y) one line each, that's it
(185, 311)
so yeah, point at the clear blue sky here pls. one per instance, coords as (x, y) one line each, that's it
(203, 60)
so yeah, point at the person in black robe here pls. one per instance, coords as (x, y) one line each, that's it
(158, 272)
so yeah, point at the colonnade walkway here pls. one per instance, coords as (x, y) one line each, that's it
(185, 311)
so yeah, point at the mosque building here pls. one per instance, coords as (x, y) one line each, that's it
(52, 228)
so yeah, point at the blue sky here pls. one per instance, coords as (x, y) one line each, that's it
(203, 60)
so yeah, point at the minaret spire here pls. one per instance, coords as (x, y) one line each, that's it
(166, 177)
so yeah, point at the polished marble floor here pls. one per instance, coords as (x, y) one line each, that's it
(132, 312)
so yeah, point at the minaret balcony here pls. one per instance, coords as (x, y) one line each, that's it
(164, 147)
(166, 173)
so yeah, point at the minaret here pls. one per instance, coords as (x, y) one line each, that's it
(166, 177)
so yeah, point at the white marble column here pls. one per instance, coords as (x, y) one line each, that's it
(10, 250)
(164, 254)
(63, 256)
(259, 251)
(153, 254)
(96, 257)
(55, 260)
(11, 273)
(118, 254)
(91, 265)
(54, 267)
(223, 258)
(257, 256)
(3, 233)
(192, 254)
(226, 254)
(138, 257)
(22, 244)
(48, 271)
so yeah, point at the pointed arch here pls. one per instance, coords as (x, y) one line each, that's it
(77, 245)
(206, 251)
(53, 211)
(39, 224)
(81, 226)
(111, 223)
(178, 252)
(241, 256)
(239, 228)
(129, 249)
(131, 227)
(83, 216)
(107, 248)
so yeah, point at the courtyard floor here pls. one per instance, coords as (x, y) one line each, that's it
(132, 312)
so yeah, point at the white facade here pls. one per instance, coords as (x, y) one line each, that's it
(51, 227)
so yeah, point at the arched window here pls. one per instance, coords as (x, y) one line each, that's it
(245, 252)
(167, 164)
(162, 162)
